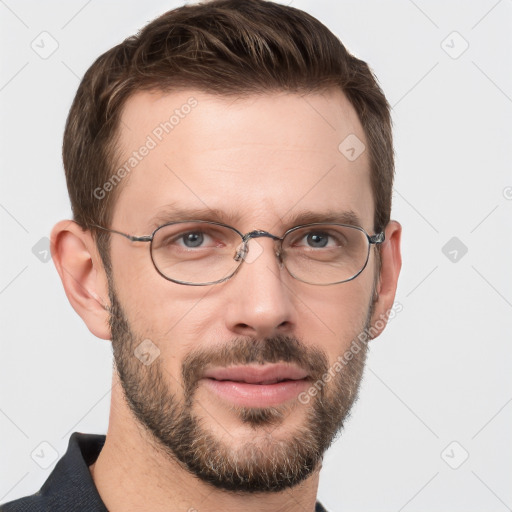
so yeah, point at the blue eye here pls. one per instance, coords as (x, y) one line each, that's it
(317, 239)
(193, 239)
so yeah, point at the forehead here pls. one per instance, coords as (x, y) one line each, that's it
(257, 160)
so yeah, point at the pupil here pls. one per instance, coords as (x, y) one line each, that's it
(317, 240)
(193, 239)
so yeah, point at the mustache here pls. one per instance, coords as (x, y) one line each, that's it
(244, 351)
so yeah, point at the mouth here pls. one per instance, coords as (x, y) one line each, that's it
(257, 386)
(269, 374)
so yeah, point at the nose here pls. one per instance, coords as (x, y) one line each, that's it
(259, 297)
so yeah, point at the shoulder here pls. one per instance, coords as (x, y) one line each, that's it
(34, 503)
(70, 486)
(320, 508)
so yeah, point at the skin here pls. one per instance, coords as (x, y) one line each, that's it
(260, 160)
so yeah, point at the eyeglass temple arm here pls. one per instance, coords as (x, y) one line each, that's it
(146, 238)
(377, 239)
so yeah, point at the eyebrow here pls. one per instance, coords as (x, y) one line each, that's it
(330, 216)
(173, 213)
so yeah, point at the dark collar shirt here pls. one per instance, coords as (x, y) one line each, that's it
(70, 487)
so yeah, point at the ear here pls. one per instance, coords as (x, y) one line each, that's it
(81, 271)
(391, 263)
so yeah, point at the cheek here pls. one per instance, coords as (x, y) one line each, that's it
(149, 300)
(335, 317)
(176, 318)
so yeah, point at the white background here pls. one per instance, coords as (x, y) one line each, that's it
(442, 370)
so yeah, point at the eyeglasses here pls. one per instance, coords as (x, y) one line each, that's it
(200, 253)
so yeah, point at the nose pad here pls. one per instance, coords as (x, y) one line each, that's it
(248, 252)
(279, 256)
(241, 252)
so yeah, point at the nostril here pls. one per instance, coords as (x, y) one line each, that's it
(244, 329)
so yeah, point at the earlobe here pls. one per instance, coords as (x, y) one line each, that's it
(82, 274)
(391, 263)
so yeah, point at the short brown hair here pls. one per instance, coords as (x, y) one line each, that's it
(224, 47)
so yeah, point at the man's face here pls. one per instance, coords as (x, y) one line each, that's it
(263, 162)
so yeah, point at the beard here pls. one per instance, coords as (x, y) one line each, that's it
(266, 462)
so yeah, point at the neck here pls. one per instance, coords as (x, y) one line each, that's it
(133, 473)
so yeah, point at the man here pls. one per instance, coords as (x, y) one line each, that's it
(230, 172)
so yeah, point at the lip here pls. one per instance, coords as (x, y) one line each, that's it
(267, 374)
(251, 386)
